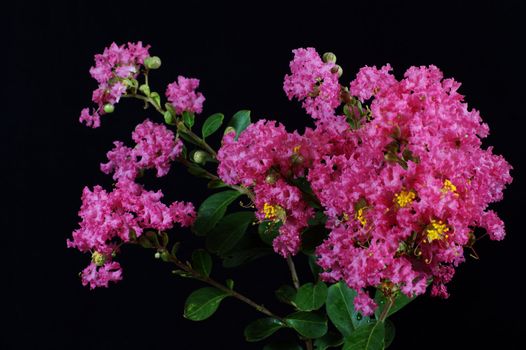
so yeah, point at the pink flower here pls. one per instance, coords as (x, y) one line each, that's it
(364, 304)
(183, 97)
(101, 276)
(370, 81)
(92, 120)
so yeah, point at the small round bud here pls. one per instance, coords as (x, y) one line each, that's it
(337, 70)
(165, 256)
(98, 258)
(271, 179)
(329, 57)
(109, 108)
(153, 62)
(157, 255)
(200, 157)
(229, 129)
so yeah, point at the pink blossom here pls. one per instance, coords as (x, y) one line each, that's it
(364, 304)
(101, 276)
(183, 97)
(92, 120)
(122, 162)
(370, 81)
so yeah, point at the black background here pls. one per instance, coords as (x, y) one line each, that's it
(240, 53)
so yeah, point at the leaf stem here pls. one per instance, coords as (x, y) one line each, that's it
(223, 288)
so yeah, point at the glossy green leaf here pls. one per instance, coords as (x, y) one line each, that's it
(240, 121)
(311, 296)
(262, 328)
(329, 340)
(228, 231)
(202, 303)
(283, 345)
(369, 336)
(188, 119)
(401, 300)
(268, 230)
(286, 294)
(340, 308)
(389, 333)
(216, 184)
(156, 98)
(212, 210)
(202, 262)
(308, 324)
(212, 124)
(249, 248)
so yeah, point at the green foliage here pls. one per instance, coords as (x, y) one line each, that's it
(188, 119)
(401, 300)
(340, 309)
(240, 121)
(312, 237)
(212, 124)
(369, 336)
(283, 345)
(228, 231)
(308, 324)
(202, 262)
(329, 340)
(262, 328)
(286, 294)
(311, 296)
(202, 303)
(212, 210)
(389, 333)
(268, 230)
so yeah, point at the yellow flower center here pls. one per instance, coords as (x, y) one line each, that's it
(296, 149)
(436, 231)
(345, 217)
(98, 258)
(448, 187)
(273, 212)
(360, 217)
(404, 198)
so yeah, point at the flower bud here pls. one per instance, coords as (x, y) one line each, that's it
(200, 157)
(229, 129)
(337, 70)
(109, 108)
(153, 62)
(271, 179)
(157, 255)
(329, 57)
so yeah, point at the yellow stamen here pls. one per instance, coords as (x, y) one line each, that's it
(404, 198)
(296, 149)
(449, 187)
(360, 217)
(274, 212)
(436, 231)
(345, 217)
(98, 258)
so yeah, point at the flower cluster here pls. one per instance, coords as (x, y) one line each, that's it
(113, 70)
(110, 219)
(182, 95)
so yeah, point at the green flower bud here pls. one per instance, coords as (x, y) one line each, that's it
(200, 157)
(98, 258)
(329, 57)
(152, 62)
(109, 108)
(337, 70)
(157, 255)
(229, 129)
(271, 179)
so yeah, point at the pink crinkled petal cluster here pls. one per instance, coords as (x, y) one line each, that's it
(112, 68)
(183, 97)
(263, 154)
(404, 198)
(313, 82)
(156, 147)
(109, 217)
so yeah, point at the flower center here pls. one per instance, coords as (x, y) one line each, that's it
(436, 230)
(404, 198)
(449, 187)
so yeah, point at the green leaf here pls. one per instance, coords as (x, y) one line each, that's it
(236, 258)
(262, 328)
(286, 294)
(216, 184)
(145, 89)
(329, 340)
(197, 171)
(202, 303)
(228, 232)
(314, 267)
(212, 124)
(170, 108)
(311, 296)
(188, 119)
(308, 324)
(268, 230)
(312, 237)
(283, 345)
(369, 336)
(212, 210)
(340, 309)
(169, 118)
(401, 300)
(230, 283)
(389, 333)
(202, 262)
(240, 121)
(187, 138)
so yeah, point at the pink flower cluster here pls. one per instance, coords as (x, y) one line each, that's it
(182, 95)
(109, 217)
(402, 194)
(112, 70)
